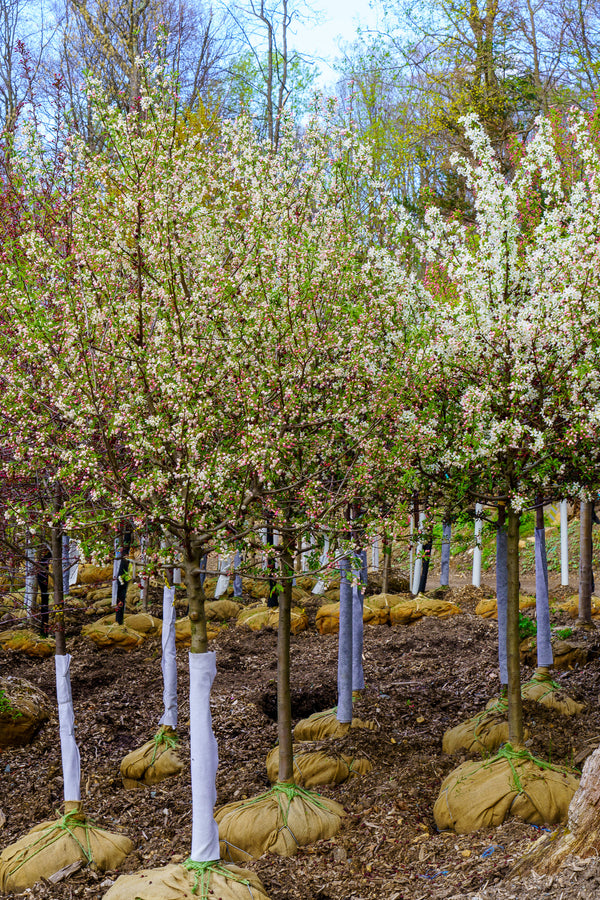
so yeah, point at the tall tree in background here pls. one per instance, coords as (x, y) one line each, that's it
(268, 78)
(107, 37)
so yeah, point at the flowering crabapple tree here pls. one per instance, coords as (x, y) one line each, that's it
(513, 354)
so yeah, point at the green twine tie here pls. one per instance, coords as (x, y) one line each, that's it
(163, 737)
(511, 755)
(65, 823)
(202, 872)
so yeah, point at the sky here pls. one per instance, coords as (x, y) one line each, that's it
(339, 20)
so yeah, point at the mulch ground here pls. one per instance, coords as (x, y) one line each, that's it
(421, 680)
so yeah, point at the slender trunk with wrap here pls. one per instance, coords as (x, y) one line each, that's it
(387, 562)
(284, 703)
(545, 658)
(344, 710)
(204, 758)
(585, 562)
(359, 583)
(515, 707)
(445, 554)
(71, 766)
(502, 593)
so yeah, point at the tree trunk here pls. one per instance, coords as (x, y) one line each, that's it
(545, 658)
(344, 712)
(445, 563)
(359, 583)
(515, 708)
(585, 563)
(387, 562)
(284, 703)
(168, 662)
(57, 560)
(196, 598)
(502, 594)
(203, 745)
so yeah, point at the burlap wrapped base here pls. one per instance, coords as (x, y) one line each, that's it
(325, 724)
(115, 636)
(51, 846)
(183, 632)
(543, 690)
(153, 762)
(279, 821)
(143, 623)
(190, 881)
(512, 783)
(87, 574)
(257, 617)
(483, 732)
(28, 642)
(23, 710)
(571, 606)
(411, 610)
(219, 610)
(488, 608)
(318, 766)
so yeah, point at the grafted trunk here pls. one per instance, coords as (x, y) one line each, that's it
(196, 598)
(284, 703)
(515, 707)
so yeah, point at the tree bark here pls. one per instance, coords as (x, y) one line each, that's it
(284, 703)
(445, 554)
(57, 579)
(585, 562)
(196, 598)
(515, 707)
(502, 594)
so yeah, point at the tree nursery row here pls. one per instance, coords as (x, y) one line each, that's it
(243, 370)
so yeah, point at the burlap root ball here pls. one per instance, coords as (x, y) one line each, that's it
(112, 636)
(190, 881)
(325, 724)
(411, 610)
(543, 690)
(143, 623)
(52, 845)
(488, 608)
(484, 732)
(512, 783)
(153, 761)
(23, 710)
(28, 642)
(260, 616)
(318, 766)
(567, 653)
(183, 632)
(278, 821)
(219, 610)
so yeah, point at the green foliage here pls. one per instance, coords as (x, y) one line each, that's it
(563, 633)
(6, 707)
(527, 627)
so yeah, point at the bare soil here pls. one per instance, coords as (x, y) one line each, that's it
(421, 680)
